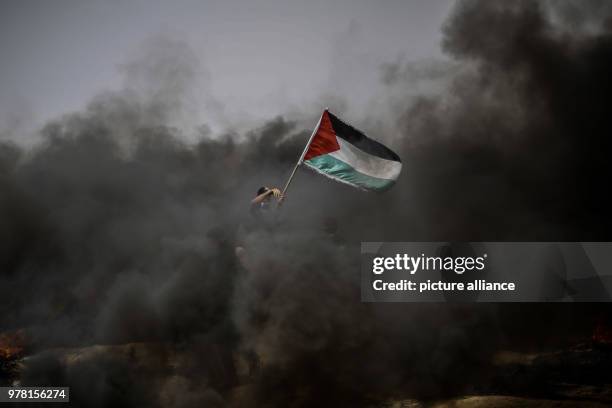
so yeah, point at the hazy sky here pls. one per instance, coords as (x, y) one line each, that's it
(258, 57)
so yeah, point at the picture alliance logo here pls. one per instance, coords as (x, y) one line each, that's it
(413, 264)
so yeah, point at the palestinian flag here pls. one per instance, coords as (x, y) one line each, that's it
(343, 153)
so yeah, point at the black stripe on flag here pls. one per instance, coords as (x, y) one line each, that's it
(361, 141)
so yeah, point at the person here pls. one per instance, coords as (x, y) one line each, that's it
(262, 218)
(260, 205)
(265, 193)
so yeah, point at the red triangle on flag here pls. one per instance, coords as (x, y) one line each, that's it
(324, 141)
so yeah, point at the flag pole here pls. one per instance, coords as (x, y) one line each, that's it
(301, 159)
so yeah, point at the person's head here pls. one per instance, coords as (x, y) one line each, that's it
(267, 199)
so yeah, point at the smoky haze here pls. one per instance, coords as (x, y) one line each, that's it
(115, 230)
(258, 59)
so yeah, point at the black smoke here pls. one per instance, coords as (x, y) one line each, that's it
(117, 231)
(516, 146)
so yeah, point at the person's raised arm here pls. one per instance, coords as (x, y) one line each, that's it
(261, 197)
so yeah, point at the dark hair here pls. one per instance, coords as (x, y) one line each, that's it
(262, 190)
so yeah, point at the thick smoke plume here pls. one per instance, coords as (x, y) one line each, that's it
(115, 231)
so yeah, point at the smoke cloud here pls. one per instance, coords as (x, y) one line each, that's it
(116, 232)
